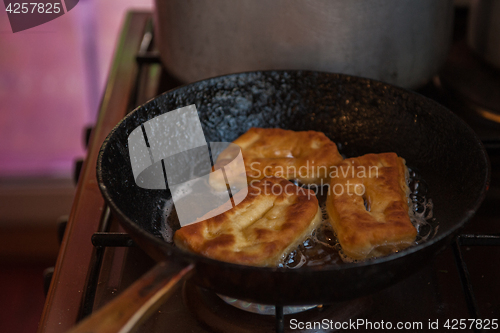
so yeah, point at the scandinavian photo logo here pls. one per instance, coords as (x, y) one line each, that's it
(170, 151)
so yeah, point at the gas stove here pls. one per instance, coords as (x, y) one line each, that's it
(98, 260)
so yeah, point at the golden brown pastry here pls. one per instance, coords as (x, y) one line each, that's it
(368, 206)
(271, 221)
(304, 156)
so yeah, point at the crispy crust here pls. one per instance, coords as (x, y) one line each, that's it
(384, 227)
(260, 230)
(304, 156)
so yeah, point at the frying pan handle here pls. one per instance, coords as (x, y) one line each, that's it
(138, 301)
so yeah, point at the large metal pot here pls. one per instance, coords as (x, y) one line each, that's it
(403, 42)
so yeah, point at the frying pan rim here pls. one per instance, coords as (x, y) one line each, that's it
(174, 253)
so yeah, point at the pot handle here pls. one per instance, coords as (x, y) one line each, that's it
(137, 302)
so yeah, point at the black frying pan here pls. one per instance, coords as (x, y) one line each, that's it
(362, 116)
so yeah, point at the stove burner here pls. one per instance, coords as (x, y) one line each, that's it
(263, 309)
(217, 315)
